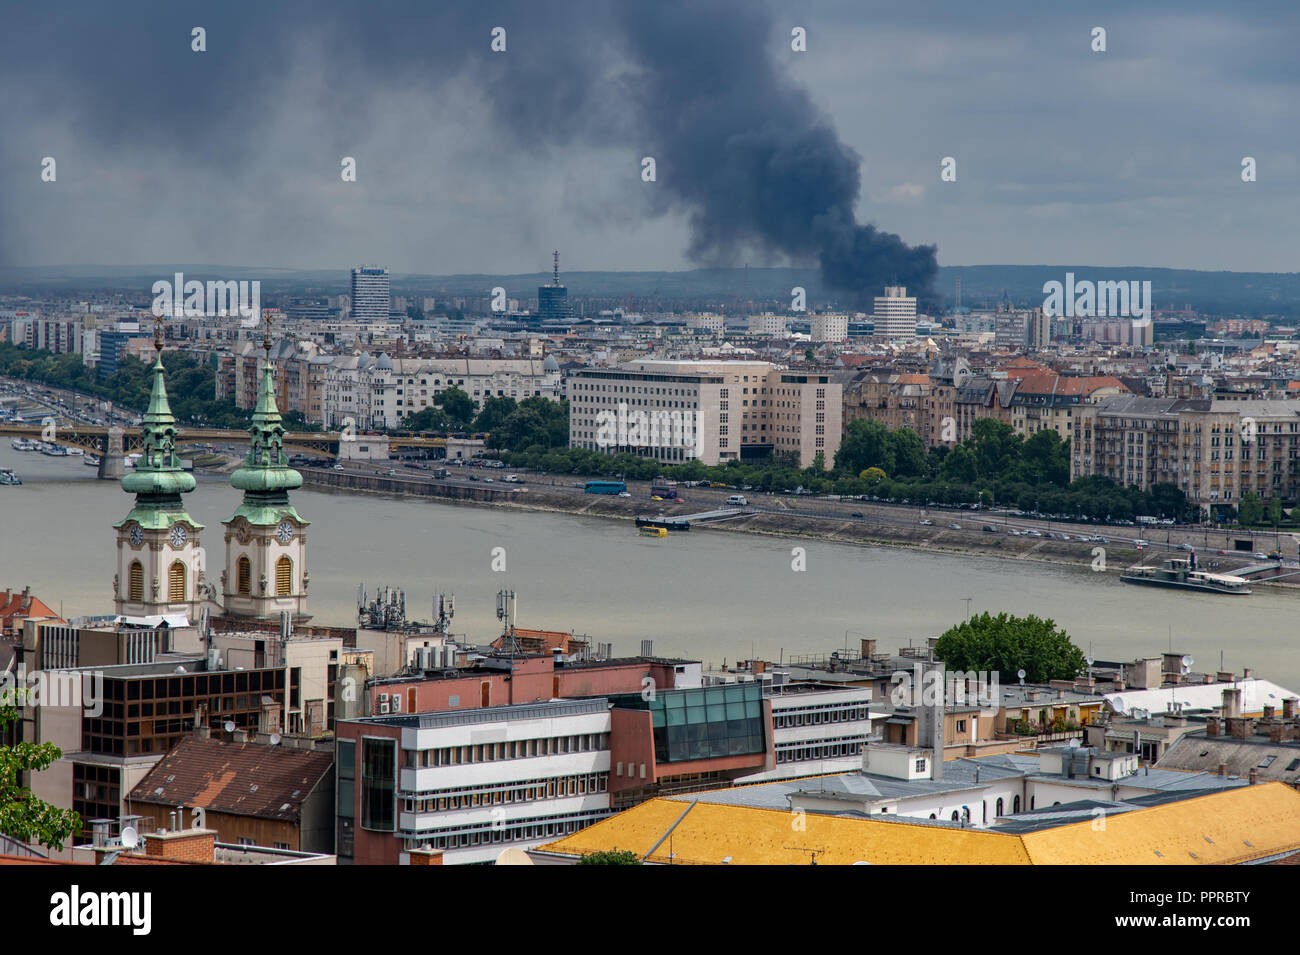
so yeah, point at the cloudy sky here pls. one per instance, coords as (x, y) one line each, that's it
(470, 160)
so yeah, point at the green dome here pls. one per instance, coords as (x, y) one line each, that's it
(159, 482)
(264, 479)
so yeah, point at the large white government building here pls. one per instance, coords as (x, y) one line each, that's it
(713, 411)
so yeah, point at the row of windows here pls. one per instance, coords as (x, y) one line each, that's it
(814, 717)
(518, 831)
(529, 791)
(797, 754)
(515, 749)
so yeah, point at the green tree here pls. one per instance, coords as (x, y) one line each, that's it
(611, 857)
(908, 452)
(1007, 644)
(867, 444)
(959, 466)
(1251, 510)
(496, 409)
(459, 408)
(427, 419)
(1275, 512)
(22, 815)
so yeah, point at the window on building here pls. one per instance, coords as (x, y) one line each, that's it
(176, 581)
(243, 575)
(135, 587)
(283, 577)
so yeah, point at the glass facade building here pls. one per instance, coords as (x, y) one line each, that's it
(705, 722)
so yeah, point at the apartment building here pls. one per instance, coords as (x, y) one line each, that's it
(903, 400)
(713, 411)
(829, 327)
(768, 323)
(707, 322)
(1214, 451)
(400, 387)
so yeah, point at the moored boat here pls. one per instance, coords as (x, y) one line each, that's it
(9, 477)
(1179, 572)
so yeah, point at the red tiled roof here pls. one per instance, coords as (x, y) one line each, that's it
(21, 604)
(243, 779)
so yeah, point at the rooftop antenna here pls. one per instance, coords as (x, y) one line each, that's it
(555, 280)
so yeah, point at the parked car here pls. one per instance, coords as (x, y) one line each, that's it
(990, 529)
(512, 479)
(927, 523)
(624, 493)
(954, 527)
(738, 500)
(858, 515)
(1260, 555)
(338, 467)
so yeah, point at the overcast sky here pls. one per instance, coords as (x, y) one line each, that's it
(475, 161)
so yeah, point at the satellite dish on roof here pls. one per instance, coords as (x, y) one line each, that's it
(1021, 674)
(230, 726)
(275, 739)
(1187, 662)
(130, 838)
(1087, 661)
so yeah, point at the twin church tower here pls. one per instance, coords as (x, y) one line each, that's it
(161, 567)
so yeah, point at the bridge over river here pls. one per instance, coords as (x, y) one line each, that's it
(112, 444)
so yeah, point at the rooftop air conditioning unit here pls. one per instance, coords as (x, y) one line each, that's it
(383, 703)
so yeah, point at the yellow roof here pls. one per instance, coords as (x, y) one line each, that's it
(1232, 826)
(711, 832)
(1223, 828)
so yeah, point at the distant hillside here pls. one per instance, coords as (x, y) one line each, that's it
(1254, 294)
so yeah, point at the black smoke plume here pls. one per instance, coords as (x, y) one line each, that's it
(701, 86)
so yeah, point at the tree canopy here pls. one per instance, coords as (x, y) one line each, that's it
(22, 815)
(1007, 644)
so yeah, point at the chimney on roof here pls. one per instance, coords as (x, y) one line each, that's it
(1288, 708)
(1269, 712)
(182, 845)
(1231, 702)
(1246, 673)
(1254, 775)
(240, 736)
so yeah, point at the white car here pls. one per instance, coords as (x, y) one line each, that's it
(624, 493)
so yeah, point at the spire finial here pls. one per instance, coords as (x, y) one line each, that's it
(266, 338)
(157, 335)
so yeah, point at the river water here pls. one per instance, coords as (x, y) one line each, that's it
(706, 595)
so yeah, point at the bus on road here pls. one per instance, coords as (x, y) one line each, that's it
(664, 491)
(604, 487)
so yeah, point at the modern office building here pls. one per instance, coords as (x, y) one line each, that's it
(470, 783)
(553, 300)
(371, 298)
(895, 314)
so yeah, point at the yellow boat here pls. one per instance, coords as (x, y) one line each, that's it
(653, 531)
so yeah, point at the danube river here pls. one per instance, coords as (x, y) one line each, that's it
(707, 595)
